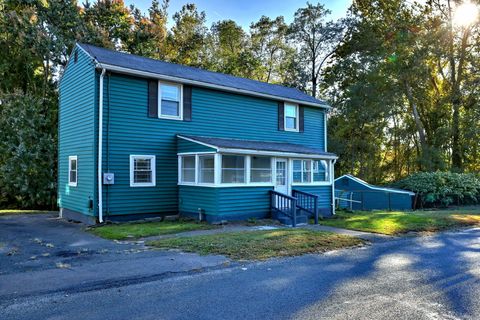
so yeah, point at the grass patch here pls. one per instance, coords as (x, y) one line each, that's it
(260, 245)
(6, 212)
(397, 222)
(147, 229)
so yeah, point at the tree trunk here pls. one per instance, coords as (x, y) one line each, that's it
(416, 116)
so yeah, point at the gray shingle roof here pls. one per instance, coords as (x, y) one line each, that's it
(258, 145)
(135, 62)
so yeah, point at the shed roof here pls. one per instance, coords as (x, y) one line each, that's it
(372, 187)
(187, 74)
(254, 146)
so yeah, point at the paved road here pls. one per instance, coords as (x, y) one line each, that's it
(435, 277)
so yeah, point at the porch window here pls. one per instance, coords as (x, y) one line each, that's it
(302, 171)
(142, 171)
(170, 97)
(233, 169)
(72, 171)
(261, 169)
(188, 169)
(206, 169)
(291, 117)
(320, 171)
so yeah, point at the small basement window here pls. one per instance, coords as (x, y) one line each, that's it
(142, 171)
(72, 171)
(170, 100)
(291, 117)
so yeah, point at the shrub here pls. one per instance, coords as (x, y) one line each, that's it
(443, 188)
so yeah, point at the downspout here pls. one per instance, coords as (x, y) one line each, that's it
(100, 147)
(333, 185)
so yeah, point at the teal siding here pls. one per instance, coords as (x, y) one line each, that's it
(214, 113)
(225, 202)
(188, 146)
(77, 134)
(324, 194)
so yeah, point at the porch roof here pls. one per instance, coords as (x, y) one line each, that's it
(286, 149)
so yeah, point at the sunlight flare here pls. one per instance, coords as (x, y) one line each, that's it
(465, 14)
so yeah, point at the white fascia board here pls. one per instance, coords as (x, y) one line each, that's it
(364, 183)
(196, 141)
(276, 153)
(206, 85)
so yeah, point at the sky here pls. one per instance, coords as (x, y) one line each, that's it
(245, 12)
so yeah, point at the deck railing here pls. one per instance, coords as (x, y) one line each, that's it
(285, 204)
(307, 202)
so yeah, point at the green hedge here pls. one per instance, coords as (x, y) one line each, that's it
(443, 188)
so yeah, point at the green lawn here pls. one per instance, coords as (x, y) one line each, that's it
(6, 212)
(396, 222)
(260, 245)
(147, 229)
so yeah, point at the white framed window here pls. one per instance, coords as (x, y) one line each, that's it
(260, 169)
(188, 169)
(206, 169)
(72, 171)
(170, 101)
(142, 171)
(302, 171)
(290, 120)
(233, 169)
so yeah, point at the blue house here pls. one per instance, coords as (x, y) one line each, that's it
(356, 194)
(140, 137)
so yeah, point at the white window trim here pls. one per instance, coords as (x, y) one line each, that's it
(71, 183)
(297, 122)
(153, 164)
(218, 172)
(180, 102)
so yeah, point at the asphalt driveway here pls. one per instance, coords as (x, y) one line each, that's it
(429, 277)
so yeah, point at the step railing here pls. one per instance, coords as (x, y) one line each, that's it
(307, 202)
(285, 204)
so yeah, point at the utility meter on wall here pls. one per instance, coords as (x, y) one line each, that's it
(108, 178)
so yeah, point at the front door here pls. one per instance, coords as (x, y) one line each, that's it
(281, 176)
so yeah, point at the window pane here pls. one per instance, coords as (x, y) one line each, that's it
(281, 173)
(142, 176)
(290, 111)
(73, 176)
(142, 170)
(73, 164)
(141, 164)
(207, 169)
(170, 108)
(170, 92)
(233, 169)
(290, 123)
(261, 169)
(188, 169)
(297, 171)
(306, 171)
(320, 170)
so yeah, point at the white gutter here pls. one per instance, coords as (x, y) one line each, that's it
(333, 185)
(206, 85)
(100, 147)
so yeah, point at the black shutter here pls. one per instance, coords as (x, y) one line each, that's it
(301, 117)
(281, 116)
(187, 103)
(153, 98)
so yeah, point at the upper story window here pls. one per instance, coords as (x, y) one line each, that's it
(142, 171)
(291, 117)
(170, 100)
(72, 171)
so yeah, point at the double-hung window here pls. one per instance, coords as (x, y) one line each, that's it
(72, 171)
(170, 100)
(291, 117)
(233, 169)
(260, 169)
(302, 171)
(142, 171)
